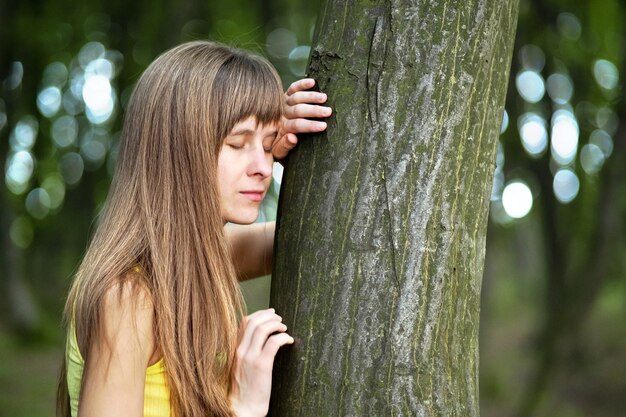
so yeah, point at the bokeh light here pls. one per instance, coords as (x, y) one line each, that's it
(64, 131)
(569, 26)
(530, 85)
(99, 98)
(90, 52)
(560, 88)
(71, 167)
(55, 74)
(21, 232)
(77, 79)
(14, 79)
(603, 141)
(93, 147)
(532, 57)
(533, 133)
(20, 167)
(100, 66)
(564, 137)
(607, 120)
(591, 158)
(606, 74)
(71, 104)
(498, 175)
(517, 199)
(49, 101)
(38, 203)
(565, 185)
(280, 43)
(116, 58)
(24, 135)
(298, 59)
(55, 187)
(505, 122)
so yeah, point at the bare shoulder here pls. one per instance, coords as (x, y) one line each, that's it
(128, 317)
(128, 293)
(115, 371)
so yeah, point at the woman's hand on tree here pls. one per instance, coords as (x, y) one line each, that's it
(261, 335)
(300, 106)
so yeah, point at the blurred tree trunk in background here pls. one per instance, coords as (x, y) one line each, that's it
(382, 220)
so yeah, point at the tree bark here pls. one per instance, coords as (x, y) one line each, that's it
(382, 220)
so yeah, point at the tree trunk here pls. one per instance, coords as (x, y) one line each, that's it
(382, 220)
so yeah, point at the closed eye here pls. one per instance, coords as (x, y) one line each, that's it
(268, 142)
(234, 145)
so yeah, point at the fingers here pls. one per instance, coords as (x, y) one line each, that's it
(251, 322)
(306, 97)
(303, 126)
(272, 345)
(284, 145)
(300, 107)
(262, 334)
(300, 85)
(304, 110)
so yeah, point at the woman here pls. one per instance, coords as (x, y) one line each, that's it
(155, 311)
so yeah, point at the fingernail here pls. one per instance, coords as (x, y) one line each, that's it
(321, 125)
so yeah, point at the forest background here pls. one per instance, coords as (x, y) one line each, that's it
(553, 339)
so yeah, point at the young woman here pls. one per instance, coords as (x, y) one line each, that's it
(156, 319)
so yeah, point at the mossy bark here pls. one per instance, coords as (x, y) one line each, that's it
(382, 220)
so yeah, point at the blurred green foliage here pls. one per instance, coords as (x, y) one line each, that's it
(552, 340)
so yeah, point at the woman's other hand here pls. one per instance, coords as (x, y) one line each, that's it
(300, 106)
(261, 335)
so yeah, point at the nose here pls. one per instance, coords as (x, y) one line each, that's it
(260, 163)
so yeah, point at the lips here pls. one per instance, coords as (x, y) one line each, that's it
(253, 195)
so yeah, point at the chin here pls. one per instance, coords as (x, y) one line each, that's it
(242, 218)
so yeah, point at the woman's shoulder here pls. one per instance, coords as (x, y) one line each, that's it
(128, 290)
(128, 297)
(127, 317)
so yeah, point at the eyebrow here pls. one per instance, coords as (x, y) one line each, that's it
(246, 132)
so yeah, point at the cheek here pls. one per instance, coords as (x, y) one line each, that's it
(230, 170)
(223, 179)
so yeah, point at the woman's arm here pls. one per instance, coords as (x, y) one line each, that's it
(252, 248)
(115, 371)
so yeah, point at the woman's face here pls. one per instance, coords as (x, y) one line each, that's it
(244, 170)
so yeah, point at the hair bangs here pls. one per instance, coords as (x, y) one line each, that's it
(247, 86)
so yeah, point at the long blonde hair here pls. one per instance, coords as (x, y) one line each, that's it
(163, 215)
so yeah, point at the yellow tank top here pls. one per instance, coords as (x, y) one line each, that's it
(156, 396)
